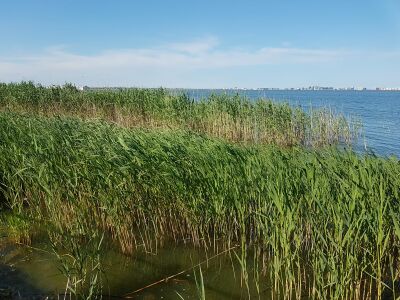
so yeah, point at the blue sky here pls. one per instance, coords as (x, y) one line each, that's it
(201, 43)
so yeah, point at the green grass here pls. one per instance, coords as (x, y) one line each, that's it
(233, 118)
(326, 222)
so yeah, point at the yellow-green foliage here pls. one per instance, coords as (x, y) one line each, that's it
(233, 118)
(328, 221)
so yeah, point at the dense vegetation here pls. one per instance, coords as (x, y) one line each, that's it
(233, 118)
(327, 222)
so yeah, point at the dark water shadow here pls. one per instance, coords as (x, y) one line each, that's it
(14, 285)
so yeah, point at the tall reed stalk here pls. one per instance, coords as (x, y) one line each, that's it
(326, 222)
(233, 118)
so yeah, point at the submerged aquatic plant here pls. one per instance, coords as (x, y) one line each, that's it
(201, 294)
(80, 262)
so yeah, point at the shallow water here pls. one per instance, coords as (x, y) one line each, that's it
(379, 111)
(38, 268)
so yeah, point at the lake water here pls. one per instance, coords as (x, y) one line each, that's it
(34, 271)
(379, 111)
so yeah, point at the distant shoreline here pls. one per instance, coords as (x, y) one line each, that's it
(312, 89)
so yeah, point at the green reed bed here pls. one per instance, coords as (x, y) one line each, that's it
(324, 224)
(233, 118)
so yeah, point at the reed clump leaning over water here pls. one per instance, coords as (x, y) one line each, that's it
(325, 223)
(234, 118)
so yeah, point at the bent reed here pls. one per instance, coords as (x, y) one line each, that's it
(233, 118)
(325, 223)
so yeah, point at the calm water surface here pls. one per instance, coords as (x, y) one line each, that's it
(35, 271)
(379, 111)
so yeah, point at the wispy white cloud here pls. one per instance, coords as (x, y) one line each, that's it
(198, 54)
(196, 46)
(58, 64)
